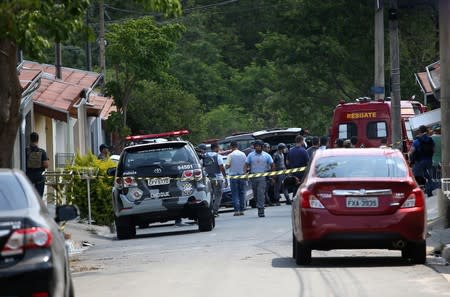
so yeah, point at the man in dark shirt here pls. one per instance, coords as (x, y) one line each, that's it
(314, 147)
(37, 162)
(278, 160)
(421, 154)
(298, 157)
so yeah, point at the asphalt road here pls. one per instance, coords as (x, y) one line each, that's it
(243, 256)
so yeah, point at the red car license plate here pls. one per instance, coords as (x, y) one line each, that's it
(358, 202)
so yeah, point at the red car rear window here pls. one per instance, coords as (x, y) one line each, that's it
(360, 166)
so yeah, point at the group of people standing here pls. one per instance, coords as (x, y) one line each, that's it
(259, 160)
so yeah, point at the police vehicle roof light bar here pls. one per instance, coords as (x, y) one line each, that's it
(158, 135)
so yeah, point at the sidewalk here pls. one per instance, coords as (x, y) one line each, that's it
(82, 236)
(438, 238)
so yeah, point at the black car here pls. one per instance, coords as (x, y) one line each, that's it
(33, 254)
(244, 141)
(276, 135)
(160, 182)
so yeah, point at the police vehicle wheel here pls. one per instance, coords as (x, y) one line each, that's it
(124, 228)
(206, 221)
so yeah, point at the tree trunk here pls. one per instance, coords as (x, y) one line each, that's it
(10, 96)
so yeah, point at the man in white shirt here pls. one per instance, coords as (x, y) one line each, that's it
(235, 165)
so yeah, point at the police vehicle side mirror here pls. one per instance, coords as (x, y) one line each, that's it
(66, 213)
(111, 171)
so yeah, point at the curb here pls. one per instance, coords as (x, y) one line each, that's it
(82, 236)
(446, 252)
(438, 239)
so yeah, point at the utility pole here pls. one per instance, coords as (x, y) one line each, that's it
(88, 45)
(58, 60)
(101, 39)
(378, 88)
(395, 75)
(444, 48)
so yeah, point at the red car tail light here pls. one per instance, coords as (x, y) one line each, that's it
(39, 294)
(308, 200)
(23, 239)
(415, 199)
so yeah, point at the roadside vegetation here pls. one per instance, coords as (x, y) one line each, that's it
(244, 65)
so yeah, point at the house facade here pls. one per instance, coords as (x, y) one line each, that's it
(66, 112)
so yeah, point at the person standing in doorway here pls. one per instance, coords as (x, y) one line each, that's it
(104, 152)
(36, 163)
(213, 164)
(259, 162)
(235, 165)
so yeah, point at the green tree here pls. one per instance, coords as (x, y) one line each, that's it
(225, 119)
(199, 66)
(31, 26)
(137, 50)
(166, 107)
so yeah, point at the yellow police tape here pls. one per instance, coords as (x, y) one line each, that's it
(244, 176)
(270, 173)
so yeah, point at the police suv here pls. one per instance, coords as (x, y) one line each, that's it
(160, 181)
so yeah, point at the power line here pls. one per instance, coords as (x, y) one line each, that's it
(202, 10)
(184, 10)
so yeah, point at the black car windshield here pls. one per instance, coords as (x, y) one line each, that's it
(360, 166)
(158, 156)
(12, 196)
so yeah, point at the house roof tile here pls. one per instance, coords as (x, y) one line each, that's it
(82, 78)
(102, 105)
(26, 77)
(57, 97)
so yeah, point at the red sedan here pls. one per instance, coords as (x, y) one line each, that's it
(359, 199)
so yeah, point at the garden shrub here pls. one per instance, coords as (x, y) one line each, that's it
(100, 189)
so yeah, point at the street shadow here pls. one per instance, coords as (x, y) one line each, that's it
(167, 233)
(335, 262)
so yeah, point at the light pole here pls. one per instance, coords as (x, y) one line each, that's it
(88, 173)
(444, 46)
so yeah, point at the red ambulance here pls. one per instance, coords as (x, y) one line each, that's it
(370, 121)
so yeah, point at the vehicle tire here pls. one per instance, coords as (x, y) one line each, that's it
(206, 220)
(294, 251)
(125, 229)
(71, 289)
(418, 253)
(302, 254)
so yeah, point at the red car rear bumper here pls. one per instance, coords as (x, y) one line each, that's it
(321, 229)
